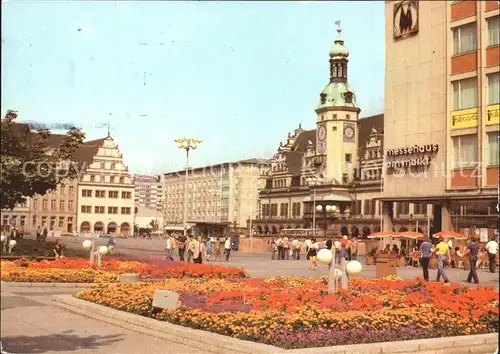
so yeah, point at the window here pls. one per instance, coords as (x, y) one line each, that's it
(44, 220)
(284, 209)
(494, 88)
(53, 204)
(71, 190)
(125, 210)
(87, 193)
(274, 209)
(403, 208)
(122, 180)
(113, 194)
(112, 210)
(100, 194)
(92, 178)
(464, 93)
(419, 208)
(494, 157)
(87, 209)
(45, 204)
(464, 38)
(265, 210)
(99, 210)
(103, 165)
(61, 221)
(296, 209)
(493, 30)
(35, 204)
(22, 221)
(464, 151)
(70, 205)
(61, 205)
(348, 158)
(112, 179)
(33, 220)
(102, 179)
(126, 195)
(52, 222)
(345, 178)
(62, 188)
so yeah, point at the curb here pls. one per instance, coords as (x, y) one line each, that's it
(215, 343)
(45, 285)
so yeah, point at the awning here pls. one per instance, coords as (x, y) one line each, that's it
(176, 228)
(330, 198)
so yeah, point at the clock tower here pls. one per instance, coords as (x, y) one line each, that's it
(337, 119)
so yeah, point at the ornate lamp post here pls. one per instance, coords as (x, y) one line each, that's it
(314, 181)
(186, 144)
(325, 210)
(95, 255)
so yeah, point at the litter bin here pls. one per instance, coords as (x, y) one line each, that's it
(385, 267)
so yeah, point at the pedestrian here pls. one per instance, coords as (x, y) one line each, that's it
(286, 249)
(215, 246)
(296, 249)
(190, 249)
(311, 255)
(227, 248)
(208, 247)
(443, 255)
(425, 255)
(274, 249)
(354, 248)
(492, 248)
(44, 234)
(199, 251)
(472, 251)
(38, 234)
(181, 246)
(307, 245)
(279, 243)
(58, 250)
(169, 248)
(111, 244)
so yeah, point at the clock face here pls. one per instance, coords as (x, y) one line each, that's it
(349, 133)
(322, 147)
(321, 133)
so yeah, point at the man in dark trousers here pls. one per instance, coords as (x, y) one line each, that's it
(181, 244)
(425, 254)
(472, 251)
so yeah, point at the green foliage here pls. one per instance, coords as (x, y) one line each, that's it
(29, 165)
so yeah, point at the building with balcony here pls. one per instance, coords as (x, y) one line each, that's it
(441, 120)
(149, 191)
(221, 194)
(105, 190)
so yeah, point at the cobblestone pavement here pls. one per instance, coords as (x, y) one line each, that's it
(30, 324)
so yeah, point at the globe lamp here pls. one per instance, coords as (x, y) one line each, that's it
(12, 243)
(103, 250)
(325, 256)
(354, 267)
(87, 244)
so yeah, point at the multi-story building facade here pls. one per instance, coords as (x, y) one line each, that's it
(105, 190)
(149, 191)
(442, 98)
(345, 155)
(222, 193)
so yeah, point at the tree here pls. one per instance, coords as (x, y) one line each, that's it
(30, 165)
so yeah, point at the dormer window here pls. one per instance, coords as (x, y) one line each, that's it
(348, 97)
(323, 98)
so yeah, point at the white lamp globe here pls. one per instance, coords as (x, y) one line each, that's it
(2, 238)
(324, 256)
(328, 208)
(319, 208)
(103, 250)
(337, 274)
(12, 243)
(354, 267)
(87, 244)
(335, 208)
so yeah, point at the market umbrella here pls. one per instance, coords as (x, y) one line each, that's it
(383, 234)
(411, 235)
(450, 234)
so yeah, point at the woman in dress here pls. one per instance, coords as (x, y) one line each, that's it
(312, 253)
(199, 251)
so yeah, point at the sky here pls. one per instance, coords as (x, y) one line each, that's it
(238, 75)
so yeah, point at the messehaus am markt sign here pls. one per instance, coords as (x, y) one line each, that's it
(404, 159)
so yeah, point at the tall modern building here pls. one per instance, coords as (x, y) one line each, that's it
(225, 193)
(441, 126)
(149, 191)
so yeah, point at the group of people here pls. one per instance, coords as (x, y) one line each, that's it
(195, 249)
(283, 249)
(444, 252)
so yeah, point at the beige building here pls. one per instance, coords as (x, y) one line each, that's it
(105, 190)
(149, 191)
(441, 126)
(222, 194)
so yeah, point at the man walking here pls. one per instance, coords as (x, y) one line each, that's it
(227, 248)
(181, 244)
(492, 248)
(471, 251)
(168, 248)
(443, 254)
(425, 255)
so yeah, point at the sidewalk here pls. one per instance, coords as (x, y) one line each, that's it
(30, 324)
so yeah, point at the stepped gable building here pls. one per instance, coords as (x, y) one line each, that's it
(344, 156)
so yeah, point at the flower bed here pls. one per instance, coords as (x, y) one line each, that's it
(299, 313)
(78, 270)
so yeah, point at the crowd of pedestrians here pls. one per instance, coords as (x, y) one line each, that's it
(195, 249)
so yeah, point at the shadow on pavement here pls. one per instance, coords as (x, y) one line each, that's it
(55, 343)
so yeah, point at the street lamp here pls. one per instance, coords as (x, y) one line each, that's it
(325, 210)
(186, 144)
(314, 181)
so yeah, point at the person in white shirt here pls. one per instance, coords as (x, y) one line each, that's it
(307, 245)
(168, 248)
(492, 248)
(227, 248)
